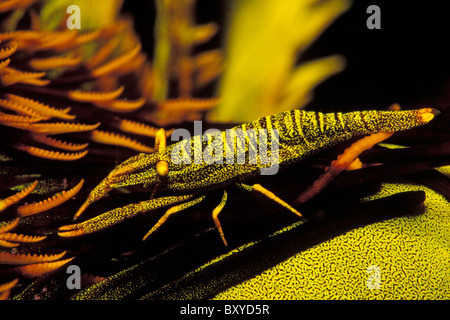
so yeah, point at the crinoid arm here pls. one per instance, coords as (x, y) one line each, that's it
(5, 203)
(47, 204)
(342, 163)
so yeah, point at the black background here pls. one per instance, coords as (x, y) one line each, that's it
(406, 61)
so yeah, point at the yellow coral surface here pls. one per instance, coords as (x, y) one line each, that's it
(411, 256)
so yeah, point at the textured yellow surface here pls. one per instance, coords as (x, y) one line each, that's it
(411, 256)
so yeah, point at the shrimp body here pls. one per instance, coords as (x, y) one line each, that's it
(221, 159)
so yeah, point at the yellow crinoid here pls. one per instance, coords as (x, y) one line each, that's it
(75, 103)
(76, 94)
(264, 41)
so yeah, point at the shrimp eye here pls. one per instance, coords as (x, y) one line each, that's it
(162, 168)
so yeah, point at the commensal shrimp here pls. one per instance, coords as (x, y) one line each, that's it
(217, 161)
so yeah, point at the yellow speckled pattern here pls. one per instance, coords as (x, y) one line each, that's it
(411, 256)
(301, 134)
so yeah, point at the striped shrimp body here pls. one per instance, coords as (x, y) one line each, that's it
(217, 160)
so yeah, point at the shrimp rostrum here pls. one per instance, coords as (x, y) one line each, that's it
(217, 160)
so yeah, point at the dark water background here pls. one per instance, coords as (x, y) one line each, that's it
(406, 61)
